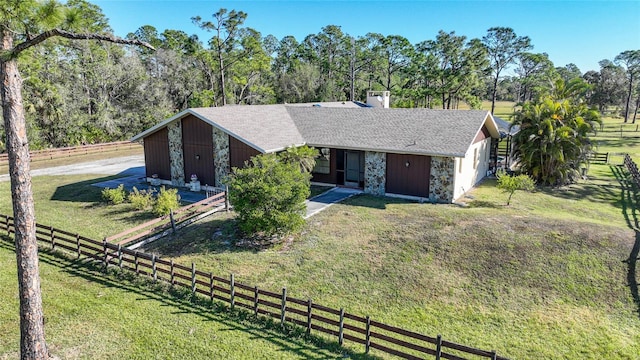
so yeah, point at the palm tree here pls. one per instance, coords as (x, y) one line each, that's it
(553, 142)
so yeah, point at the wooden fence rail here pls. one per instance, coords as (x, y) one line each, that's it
(633, 168)
(49, 154)
(177, 219)
(335, 323)
(599, 158)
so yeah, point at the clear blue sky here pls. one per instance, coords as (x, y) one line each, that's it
(579, 32)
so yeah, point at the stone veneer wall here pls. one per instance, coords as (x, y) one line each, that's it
(176, 154)
(441, 181)
(375, 172)
(220, 155)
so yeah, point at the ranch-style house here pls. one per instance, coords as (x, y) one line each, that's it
(431, 155)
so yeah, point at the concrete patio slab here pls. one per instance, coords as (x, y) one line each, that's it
(326, 199)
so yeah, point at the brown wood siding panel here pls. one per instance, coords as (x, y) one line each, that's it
(156, 154)
(197, 142)
(483, 134)
(329, 178)
(412, 180)
(240, 152)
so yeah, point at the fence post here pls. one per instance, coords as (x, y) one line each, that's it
(607, 158)
(193, 278)
(211, 286)
(53, 238)
(172, 272)
(283, 307)
(135, 256)
(494, 355)
(6, 223)
(173, 223)
(153, 267)
(104, 246)
(78, 245)
(438, 347)
(120, 256)
(255, 300)
(309, 317)
(233, 292)
(341, 329)
(226, 197)
(368, 336)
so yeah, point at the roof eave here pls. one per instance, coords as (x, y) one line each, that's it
(162, 124)
(389, 151)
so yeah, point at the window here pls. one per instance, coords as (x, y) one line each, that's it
(323, 162)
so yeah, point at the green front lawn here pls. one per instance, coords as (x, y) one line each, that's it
(93, 316)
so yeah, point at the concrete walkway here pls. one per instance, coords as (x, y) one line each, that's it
(326, 199)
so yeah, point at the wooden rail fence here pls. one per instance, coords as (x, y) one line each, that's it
(633, 168)
(336, 323)
(159, 227)
(50, 154)
(599, 158)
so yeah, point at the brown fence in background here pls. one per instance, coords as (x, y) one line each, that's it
(336, 323)
(599, 158)
(50, 154)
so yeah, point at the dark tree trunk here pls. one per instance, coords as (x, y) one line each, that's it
(635, 111)
(494, 92)
(628, 102)
(32, 341)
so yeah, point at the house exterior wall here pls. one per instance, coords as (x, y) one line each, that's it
(176, 155)
(473, 167)
(239, 152)
(220, 156)
(441, 179)
(156, 155)
(375, 169)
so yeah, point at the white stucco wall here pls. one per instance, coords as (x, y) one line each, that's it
(469, 172)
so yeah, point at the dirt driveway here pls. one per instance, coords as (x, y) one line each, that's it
(127, 165)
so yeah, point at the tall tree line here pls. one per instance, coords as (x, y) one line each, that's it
(78, 93)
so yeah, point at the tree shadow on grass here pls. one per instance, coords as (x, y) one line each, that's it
(290, 338)
(596, 190)
(82, 191)
(629, 199)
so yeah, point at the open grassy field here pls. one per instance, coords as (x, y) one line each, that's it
(546, 277)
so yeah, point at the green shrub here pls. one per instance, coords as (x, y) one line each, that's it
(114, 196)
(141, 199)
(269, 195)
(166, 201)
(510, 184)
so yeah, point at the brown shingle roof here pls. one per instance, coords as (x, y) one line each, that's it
(270, 128)
(416, 131)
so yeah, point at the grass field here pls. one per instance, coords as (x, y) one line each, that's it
(93, 316)
(547, 277)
